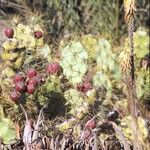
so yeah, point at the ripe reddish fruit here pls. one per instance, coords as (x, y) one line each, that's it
(53, 68)
(31, 88)
(31, 73)
(18, 78)
(20, 87)
(87, 86)
(80, 86)
(38, 34)
(33, 81)
(14, 96)
(9, 32)
(83, 87)
(90, 124)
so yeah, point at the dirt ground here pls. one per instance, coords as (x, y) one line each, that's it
(3, 25)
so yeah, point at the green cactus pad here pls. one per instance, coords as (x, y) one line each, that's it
(104, 55)
(7, 131)
(74, 62)
(141, 43)
(101, 79)
(73, 99)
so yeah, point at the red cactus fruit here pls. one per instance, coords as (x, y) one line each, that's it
(14, 96)
(83, 87)
(20, 87)
(31, 88)
(53, 68)
(31, 73)
(33, 81)
(18, 78)
(9, 32)
(38, 34)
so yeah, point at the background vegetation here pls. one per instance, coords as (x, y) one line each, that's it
(82, 57)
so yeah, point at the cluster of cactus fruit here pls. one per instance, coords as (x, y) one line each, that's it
(25, 83)
(29, 82)
(74, 61)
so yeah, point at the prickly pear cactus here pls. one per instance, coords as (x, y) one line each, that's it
(15, 49)
(141, 40)
(23, 48)
(142, 87)
(74, 62)
(74, 99)
(101, 79)
(108, 71)
(90, 43)
(52, 84)
(8, 133)
(104, 55)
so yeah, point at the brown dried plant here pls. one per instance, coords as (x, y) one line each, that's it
(129, 7)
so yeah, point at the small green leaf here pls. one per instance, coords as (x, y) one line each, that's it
(7, 131)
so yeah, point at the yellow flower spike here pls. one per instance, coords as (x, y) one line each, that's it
(64, 126)
(28, 42)
(13, 43)
(129, 7)
(9, 56)
(142, 127)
